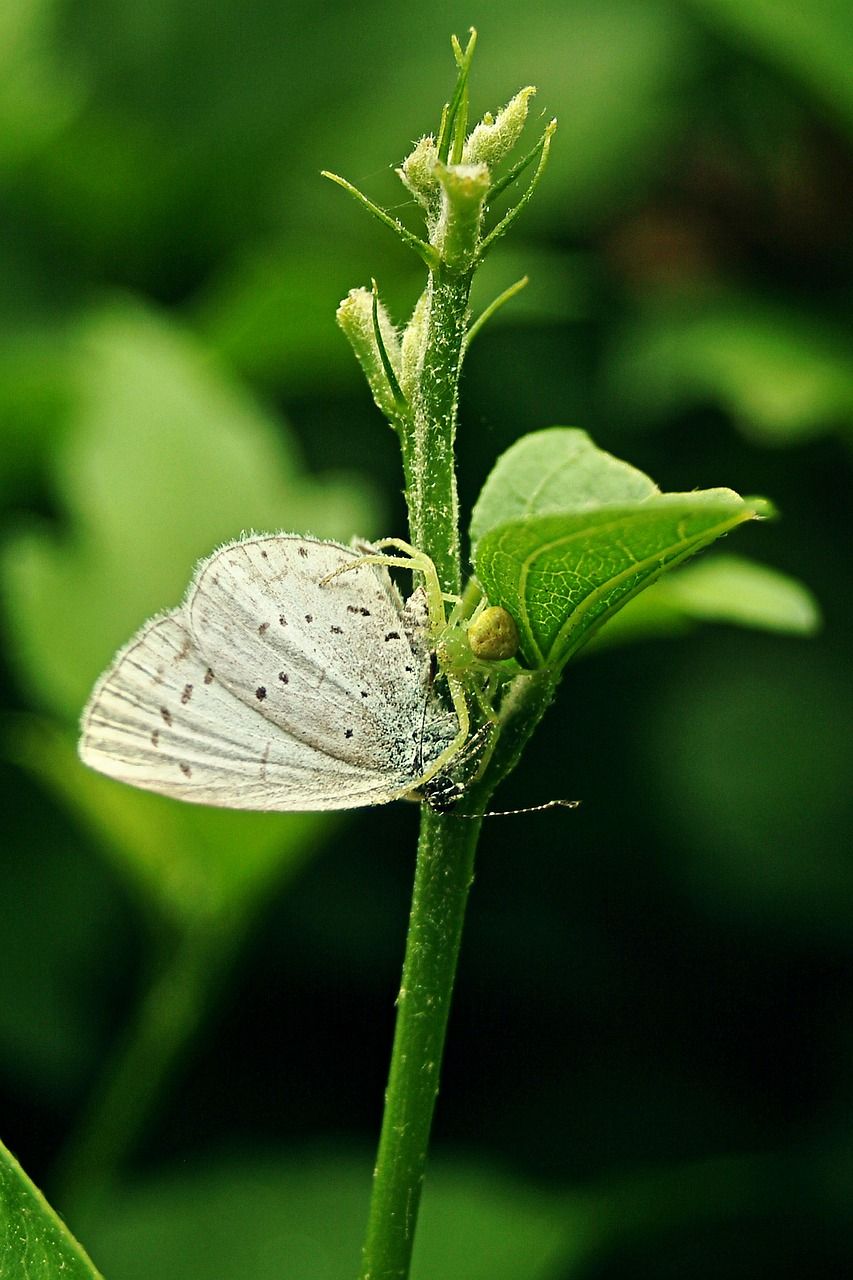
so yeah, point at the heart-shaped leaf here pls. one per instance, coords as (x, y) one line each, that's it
(565, 534)
(558, 469)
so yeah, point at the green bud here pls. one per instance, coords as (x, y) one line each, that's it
(355, 316)
(417, 172)
(493, 635)
(412, 347)
(492, 139)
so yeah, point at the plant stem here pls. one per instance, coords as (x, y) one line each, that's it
(429, 438)
(446, 846)
(443, 876)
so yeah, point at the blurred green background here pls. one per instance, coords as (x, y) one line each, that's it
(650, 1062)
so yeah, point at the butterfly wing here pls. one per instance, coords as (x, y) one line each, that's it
(196, 717)
(331, 661)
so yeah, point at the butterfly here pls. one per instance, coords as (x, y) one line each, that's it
(292, 677)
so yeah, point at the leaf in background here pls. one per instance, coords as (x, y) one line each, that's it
(38, 91)
(565, 534)
(783, 375)
(35, 1243)
(304, 1219)
(723, 588)
(814, 42)
(164, 460)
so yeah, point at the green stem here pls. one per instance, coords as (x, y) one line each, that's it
(443, 876)
(446, 847)
(429, 438)
(435, 341)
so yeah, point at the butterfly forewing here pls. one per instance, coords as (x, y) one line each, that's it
(326, 659)
(268, 689)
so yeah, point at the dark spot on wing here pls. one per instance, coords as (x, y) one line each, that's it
(282, 621)
(364, 693)
(393, 635)
(264, 555)
(337, 631)
(309, 617)
(262, 628)
(260, 693)
(356, 608)
(208, 676)
(348, 733)
(184, 650)
(215, 579)
(284, 677)
(303, 551)
(155, 738)
(187, 694)
(166, 714)
(185, 770)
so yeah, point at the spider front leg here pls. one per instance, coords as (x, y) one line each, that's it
(416, 562)
(452, 750)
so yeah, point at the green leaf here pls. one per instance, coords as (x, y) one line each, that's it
(565, 534)
(723, 588)
(190, 861)
(303, 1219)
(558, 469)
(814, 42)
(39, 91)
(783, 375)
(35, 1243)
(562, 576)
(165, 459)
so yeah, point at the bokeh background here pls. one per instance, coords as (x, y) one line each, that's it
(650, 1061)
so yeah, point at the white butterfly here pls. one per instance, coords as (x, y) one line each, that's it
(277, 686)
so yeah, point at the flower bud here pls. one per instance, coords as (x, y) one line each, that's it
(492, 139)
(355, 316)
(417, 172)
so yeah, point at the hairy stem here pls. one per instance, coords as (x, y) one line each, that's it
(446, 847)
(429, 436)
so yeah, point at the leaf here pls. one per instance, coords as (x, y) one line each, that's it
(723, 588)
(565, 534)
(39, 92)
(781, 374)
(813, 42)
(562, 576)
(304, 1219)
(164, 460)
(35, 1243)
(190, 861)
(558, 469)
